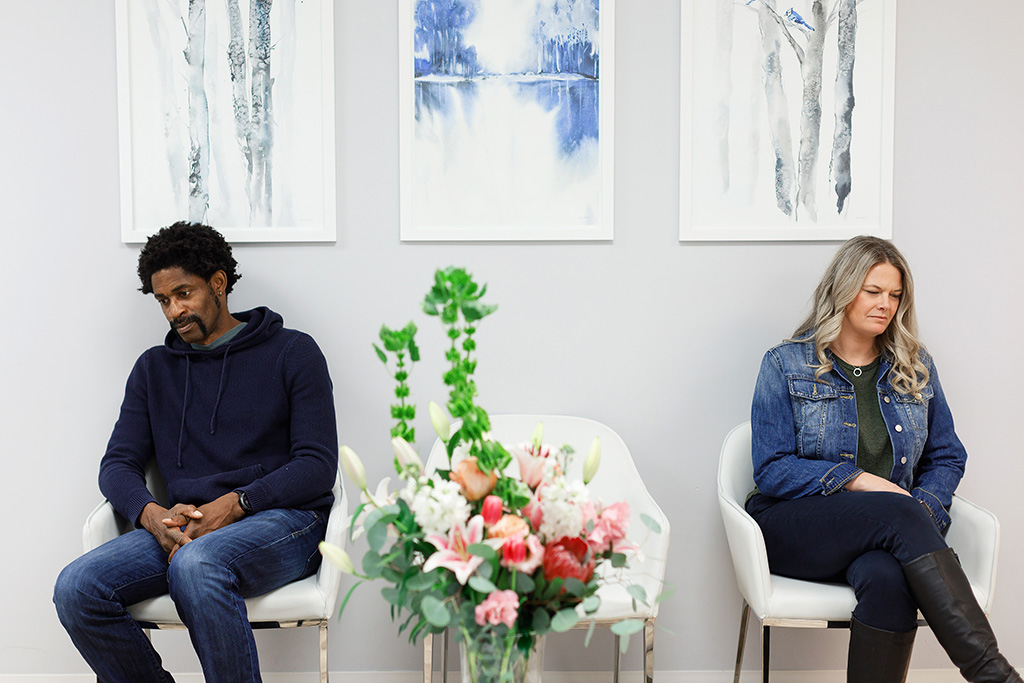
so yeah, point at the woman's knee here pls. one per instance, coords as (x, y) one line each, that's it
(883, 597)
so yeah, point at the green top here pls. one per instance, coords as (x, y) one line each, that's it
(874, 448)
(221, 340)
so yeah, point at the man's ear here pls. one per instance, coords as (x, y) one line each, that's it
(218, 281)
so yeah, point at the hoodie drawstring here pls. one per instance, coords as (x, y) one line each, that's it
(184, 407)
(220, 389)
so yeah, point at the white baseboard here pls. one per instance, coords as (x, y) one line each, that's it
(919, 676)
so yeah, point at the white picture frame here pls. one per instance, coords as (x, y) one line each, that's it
(262, 178)
(742, 93)
(489, 151)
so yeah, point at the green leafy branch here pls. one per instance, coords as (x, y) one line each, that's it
(456, 299)
(401, 343)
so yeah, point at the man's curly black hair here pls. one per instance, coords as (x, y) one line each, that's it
(195, 248)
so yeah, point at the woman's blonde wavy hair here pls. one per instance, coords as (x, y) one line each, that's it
(840, 285)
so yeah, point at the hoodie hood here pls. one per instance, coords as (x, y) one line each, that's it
(261, 324)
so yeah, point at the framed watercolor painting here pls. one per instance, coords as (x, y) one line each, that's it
(787, 117)
(506, 111)
(226, 116)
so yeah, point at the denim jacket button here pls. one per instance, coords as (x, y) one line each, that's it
(898, 428)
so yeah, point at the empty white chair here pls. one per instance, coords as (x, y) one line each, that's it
(616, 480)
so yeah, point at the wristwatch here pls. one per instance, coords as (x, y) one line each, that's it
(243, 501)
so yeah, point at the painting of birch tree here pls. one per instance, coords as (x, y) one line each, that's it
(789, 119)
(506, 119)
(226, 111)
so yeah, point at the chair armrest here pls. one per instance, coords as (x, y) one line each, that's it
(749, 555)
(974, 535)
(102, 525)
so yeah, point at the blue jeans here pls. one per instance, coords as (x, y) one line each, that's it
(861, 538)
(208, 580)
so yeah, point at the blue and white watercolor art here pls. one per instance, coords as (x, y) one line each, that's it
(506, 119)
(226, 112)
(787, 111)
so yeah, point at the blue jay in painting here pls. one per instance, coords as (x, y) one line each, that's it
(795, 17)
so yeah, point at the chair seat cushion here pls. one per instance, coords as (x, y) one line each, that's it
(617, 604)
(298, 601)
(802, 600)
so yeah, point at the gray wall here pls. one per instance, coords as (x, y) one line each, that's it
(659, 340)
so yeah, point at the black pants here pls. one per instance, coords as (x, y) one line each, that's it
(862, 538)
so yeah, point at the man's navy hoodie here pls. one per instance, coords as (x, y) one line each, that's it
(256, 414)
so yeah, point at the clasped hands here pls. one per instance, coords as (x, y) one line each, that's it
(184, 523)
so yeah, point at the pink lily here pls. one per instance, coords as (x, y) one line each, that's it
(531, 466)
(453, 551)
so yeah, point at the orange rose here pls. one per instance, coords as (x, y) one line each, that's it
(475, 484)
(509, 526)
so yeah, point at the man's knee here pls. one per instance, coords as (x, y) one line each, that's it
(193, 573)
(75, 591)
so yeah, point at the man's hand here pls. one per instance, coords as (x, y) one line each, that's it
(165, 525)
(865, 481)
(214, 515)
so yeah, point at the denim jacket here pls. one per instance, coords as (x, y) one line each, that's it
(805, 432)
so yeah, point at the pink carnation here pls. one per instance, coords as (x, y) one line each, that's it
(610, 527)
(500, 607)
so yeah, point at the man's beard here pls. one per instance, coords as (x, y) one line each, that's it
(185, 320)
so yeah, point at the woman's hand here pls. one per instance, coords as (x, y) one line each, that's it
(865, 481)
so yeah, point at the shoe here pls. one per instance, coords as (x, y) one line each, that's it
(878, 656)
(944, 596)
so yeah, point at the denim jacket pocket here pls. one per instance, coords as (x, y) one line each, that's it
(914, 409)
(813, 402)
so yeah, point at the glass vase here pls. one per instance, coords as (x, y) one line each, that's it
(497, 660)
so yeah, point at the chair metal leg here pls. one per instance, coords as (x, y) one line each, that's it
(618, 655)
(766, 649)
(649, 650)
(428, 657)
(323, 651)
(444, 656)
(744, 618)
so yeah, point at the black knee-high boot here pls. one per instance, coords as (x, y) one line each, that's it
(947, 602)
(878, 656)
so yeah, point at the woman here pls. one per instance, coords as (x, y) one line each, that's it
(856, 461)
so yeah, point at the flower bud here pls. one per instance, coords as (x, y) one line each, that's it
(491, 510)
(405, 453)
(537, 438)
(593, 460)
(353, 467)
(439, 419)
(338, 556)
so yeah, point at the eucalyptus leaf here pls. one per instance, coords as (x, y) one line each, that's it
(481, 585)
(591, 604)
(637, 592)
(627, 627)
(483, 550)
(564, 620)
(435, 612)
(541, 621)
(650, 523)
(376, 535)
(574, 587)
(418, 580)
(618, 560)
(590, 633)
(524, 583)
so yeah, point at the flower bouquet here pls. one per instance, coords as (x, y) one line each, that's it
(499, 545)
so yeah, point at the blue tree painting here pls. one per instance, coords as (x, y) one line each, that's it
(506, 115)
(783, 122)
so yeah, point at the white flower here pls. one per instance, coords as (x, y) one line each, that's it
(436, 508)
(378, 499)
(562, 505)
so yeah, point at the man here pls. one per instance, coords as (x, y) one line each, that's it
(238, 413)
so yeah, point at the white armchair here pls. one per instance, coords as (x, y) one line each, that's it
(309, 602)
(616, 480)
(780, 601)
